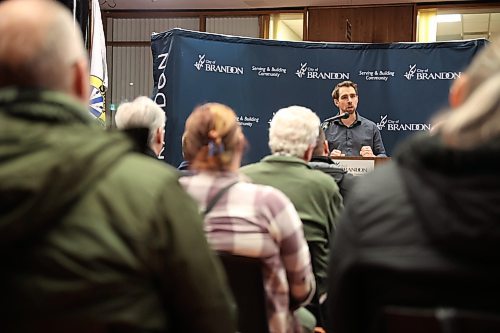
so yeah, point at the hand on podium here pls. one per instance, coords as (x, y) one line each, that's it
(366, 151)
(336, 153)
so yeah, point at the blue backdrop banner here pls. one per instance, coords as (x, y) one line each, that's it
(400, 85)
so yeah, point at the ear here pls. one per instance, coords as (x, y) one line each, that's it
(80, 87)
(158, 141)
(308, 153)
(458, 90)
(326, 151)
(336, 102)
(159, 136)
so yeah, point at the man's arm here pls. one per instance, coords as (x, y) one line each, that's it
(378, 145)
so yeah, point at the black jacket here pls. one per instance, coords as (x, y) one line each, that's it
(422, 231)
(344, 180)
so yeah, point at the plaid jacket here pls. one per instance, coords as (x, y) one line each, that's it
(259, 221)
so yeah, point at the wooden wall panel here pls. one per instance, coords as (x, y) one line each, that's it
(384, 24)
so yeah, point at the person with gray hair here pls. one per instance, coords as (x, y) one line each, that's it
(143, 113)
(315, 195)
(93, 237)
(425, 229)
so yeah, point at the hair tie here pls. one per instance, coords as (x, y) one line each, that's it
(214, 149)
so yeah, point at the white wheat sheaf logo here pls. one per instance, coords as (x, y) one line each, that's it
(382, 122)
(201, 61)
(411, 72)
(300, 72)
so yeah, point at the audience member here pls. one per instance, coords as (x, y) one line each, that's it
(424, 230)
(93, 238)
(321, 161)
(315, 195)
(183, 167)
(354, 135)
(144, 121)
(248, 220)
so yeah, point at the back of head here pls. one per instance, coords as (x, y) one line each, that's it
(39, 45)
(293, 130)
(319, 150)
(477, 120)
(212, 137)
(141, 113)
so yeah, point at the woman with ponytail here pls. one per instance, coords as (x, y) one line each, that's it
(428, 224)
(246, 219)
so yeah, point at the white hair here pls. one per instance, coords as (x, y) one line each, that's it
(477, 119)
(142, 112)
(293, 130)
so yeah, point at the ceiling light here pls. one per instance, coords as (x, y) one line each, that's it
(449, 18)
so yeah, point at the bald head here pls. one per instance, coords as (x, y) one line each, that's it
(40, 48)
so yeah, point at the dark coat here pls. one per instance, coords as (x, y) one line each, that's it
(344, 180)
(423, 230)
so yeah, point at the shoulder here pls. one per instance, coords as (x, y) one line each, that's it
(366, 122)
(319, 178)
(378, 194)
(140, 181)
(137, 168)
(263, 195)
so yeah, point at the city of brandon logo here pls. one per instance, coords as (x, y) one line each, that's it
(211, 66)
(397, 125)
(411, 72)
(314, 73)
(421, 74)
(383, 121)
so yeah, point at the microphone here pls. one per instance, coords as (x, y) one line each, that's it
(327, 121)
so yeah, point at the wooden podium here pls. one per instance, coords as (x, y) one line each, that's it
(357, 165)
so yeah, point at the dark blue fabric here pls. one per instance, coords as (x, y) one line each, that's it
(349, 140)
(400, 85)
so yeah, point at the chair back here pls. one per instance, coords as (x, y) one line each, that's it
(247, 284)
(439, 320)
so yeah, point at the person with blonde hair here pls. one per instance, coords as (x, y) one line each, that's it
(93, 236)
(248, 219)
(315, 195)
(143, 114)
(424, 231)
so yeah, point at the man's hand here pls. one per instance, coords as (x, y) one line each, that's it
(366, 151)
(336, 153)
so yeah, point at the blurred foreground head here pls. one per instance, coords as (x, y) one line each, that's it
(475, 100)
(40, 48)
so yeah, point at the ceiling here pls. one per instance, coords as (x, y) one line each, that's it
(238, 4)
(474, 23)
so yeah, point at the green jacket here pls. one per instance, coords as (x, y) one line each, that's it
(92, 234)
(316, 198)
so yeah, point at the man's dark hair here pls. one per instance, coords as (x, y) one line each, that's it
(318, 150)
(335, 92)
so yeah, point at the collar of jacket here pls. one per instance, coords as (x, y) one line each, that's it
(324, 159)
(43, 105)
(285, 159)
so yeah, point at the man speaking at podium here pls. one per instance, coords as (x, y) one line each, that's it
(348, 133)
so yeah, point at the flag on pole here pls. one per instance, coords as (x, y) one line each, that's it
(98, 67)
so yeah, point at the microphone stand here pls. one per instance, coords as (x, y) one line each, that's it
(326, 123)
